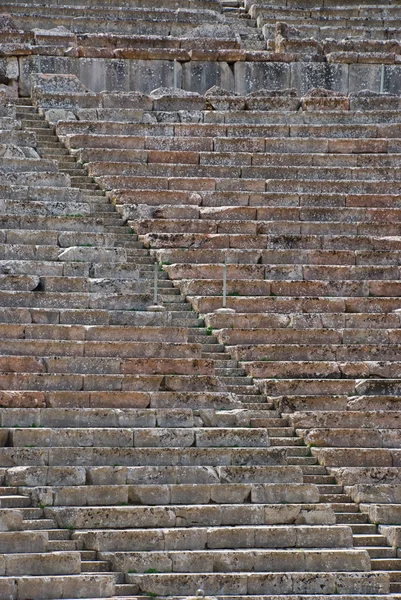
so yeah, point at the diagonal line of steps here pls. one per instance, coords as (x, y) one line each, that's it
(50, 147)
(33, 518)
(261, 409)
(365, 534)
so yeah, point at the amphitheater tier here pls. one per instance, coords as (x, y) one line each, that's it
(163, 434)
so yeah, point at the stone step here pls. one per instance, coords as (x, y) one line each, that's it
(23, 542)
(317, 470)
(242, 390)
(290, 442)
(218, 356)
(335, 498)
(359, 528)
(42, 563)
(38, 524)
(94, 192)
(58, 534)
(380, 553)
(95, 566)
(91, 356)
(128, 591)
(132, 437)
(207, 515)
(320, 480)
(215, 537)
(233, 381)
(253, 583)
(333, 129)
(35, 124)
(61, 546)
(66, 300)
(183, 494)
(227, 372)
(87, 554)
(7, 490)
(224, 364)
(250, 401)
(100, 317)
(14, 501)
(369, 540)
(229, 561)
(276, 426)
(142, 475)
(301, 460)
(46, 586)
(386, 564)
(149, 456)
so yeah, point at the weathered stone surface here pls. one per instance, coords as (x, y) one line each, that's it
(11, 520)
(142, 434)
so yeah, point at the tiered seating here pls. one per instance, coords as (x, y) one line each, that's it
(166, 18)
(365, 33)
(117, 430)
(366, 22)
(157, 32)
(157, 446)
(35, 560)
(304, 208)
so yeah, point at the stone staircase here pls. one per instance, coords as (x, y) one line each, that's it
(198, 495)
(174, 449)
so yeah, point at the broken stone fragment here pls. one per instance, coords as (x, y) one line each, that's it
(54, 37)
(372, 94)
(170, 99)
(324, 99)
(54, 115)
(11, 520)
(221, 99)
(13, 151)
(289, 39)
(173, 93)
(215, 91)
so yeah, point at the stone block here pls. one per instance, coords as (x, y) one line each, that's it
(135, 540)
(340, 457)
(19, 542)
(375, 493)
(11, 520)
(290, 493)
(53, 587)
(8, 588)
(54, 563)
(31, 476)
(186, 539)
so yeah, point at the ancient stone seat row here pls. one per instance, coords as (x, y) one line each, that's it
(291, 110)
(134, 456)
(66, 128)
(192, 4)
(243, 159)
(157, 21)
